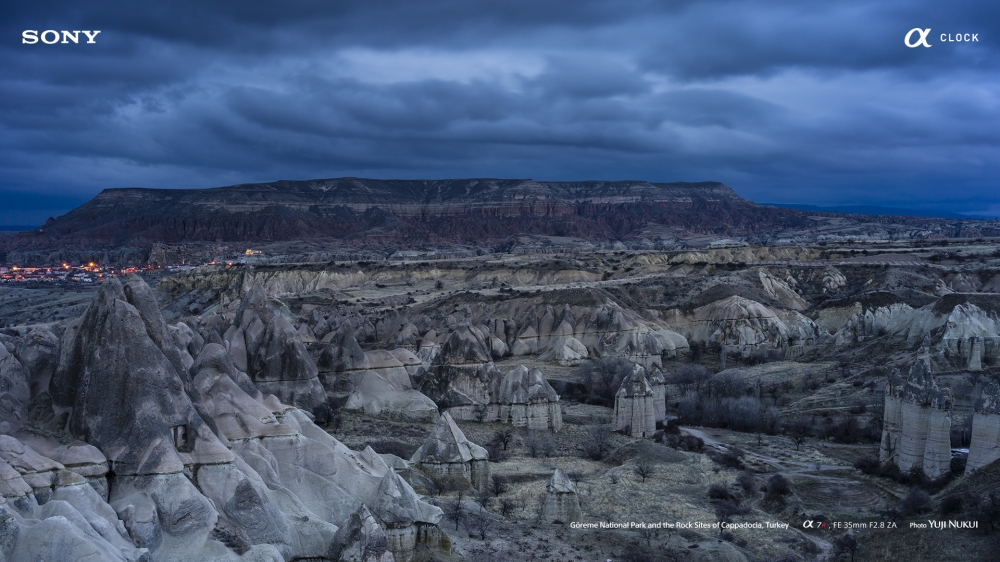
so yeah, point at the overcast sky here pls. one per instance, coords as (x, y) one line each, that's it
(785, 101)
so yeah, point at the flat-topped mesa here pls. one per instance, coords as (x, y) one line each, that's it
(984, 447)
(562, 505)
(635, 405)
(397, 213)
(447, 452)
(917, 428)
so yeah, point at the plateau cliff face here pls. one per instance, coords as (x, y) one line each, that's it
(398, 212)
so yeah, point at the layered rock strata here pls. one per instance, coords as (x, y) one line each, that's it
(744, 326)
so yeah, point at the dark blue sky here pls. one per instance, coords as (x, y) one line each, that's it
(785, 101)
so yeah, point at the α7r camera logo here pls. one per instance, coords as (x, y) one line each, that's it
(51, 36)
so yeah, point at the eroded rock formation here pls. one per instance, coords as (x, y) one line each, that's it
(636, 407)
(377, 382)
(206, 466)
(917, 424)
(562, 505)
(984, 447)
(448, 453)
(465, 382)
(745, 326)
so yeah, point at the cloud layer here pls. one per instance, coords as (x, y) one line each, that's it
(784, 101)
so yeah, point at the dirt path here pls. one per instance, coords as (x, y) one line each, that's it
(825, 547)
(787, 467)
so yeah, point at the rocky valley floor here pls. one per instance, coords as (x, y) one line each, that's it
(378, 410)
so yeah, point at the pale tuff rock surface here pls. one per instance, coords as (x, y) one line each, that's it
(276, 358)
(206, 466)
(565, 333)
(376, 382)
(963, 333)
(524, 398)
(856, 324)
(780, 291)
(968, 332)
(361, 539)
(745, 326)
(40, 497)
(234, 403)
(562, 505)
(38, 352)
(635, 405)
(984, 448)
(466, 383)
(406, 518)
(447, 452)
(113, 360)
(14, 390)
(917, 430)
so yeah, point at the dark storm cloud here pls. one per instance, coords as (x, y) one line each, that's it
(785, 101)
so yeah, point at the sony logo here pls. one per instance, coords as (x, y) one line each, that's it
(51, 36)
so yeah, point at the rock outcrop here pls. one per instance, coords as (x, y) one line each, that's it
(376, 382)
(448, 453)
(265, 345)
(206, 466)
(745, 326)
(562, 505)
(635, 405)
(917, 425)
(465, 382)
(984, 447)
(525, 399)
(14, 391)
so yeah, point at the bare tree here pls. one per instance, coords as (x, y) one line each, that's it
(484, 498)
(847, 544)
(540, 508)
(507, 507)
(597, 442)
(498, 486)
(643, 469)
(725, 510)
(799, 430)
(455, 511)
(539, 444)
(503, 438)
(482, 523)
